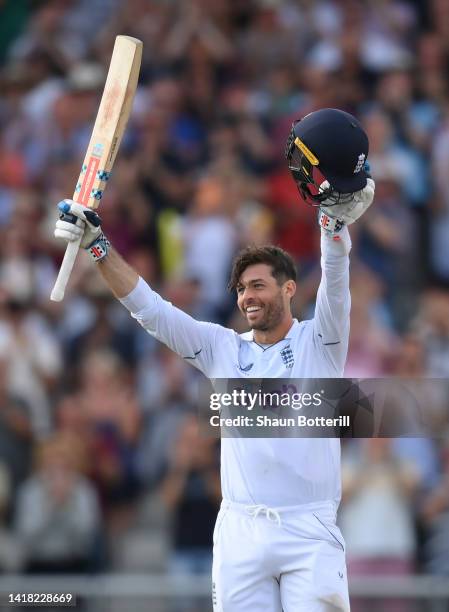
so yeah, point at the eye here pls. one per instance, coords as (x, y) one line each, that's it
(239, 290)
(258, 285)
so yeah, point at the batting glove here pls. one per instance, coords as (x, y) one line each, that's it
(333, 218)
(75, 221)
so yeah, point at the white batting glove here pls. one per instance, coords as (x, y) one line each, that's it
(76, 220)
(332, 218)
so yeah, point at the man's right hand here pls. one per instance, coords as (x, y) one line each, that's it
(76, 220)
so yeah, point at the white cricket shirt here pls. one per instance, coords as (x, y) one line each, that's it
(271, 471)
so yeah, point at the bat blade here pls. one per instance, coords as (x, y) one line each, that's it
(107, 133)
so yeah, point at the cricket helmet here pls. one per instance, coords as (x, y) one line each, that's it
(328, 145)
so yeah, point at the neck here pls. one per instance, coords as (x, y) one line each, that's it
(272, 336)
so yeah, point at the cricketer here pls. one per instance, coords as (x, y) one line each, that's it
(276, 543)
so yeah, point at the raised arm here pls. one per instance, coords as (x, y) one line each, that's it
(333, 304)
(327, 154)
(76, 220)
(331, 321)
(192, 340)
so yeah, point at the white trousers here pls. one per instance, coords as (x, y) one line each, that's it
(289, 559)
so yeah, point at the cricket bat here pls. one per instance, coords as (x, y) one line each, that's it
(112, 116)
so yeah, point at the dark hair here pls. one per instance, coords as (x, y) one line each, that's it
(282, 265)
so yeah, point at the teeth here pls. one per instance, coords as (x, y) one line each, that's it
(253, 308)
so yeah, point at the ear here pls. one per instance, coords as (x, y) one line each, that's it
(289, 288)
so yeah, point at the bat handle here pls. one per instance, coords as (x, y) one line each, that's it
(57, 295)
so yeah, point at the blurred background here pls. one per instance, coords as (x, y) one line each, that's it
(101, 467)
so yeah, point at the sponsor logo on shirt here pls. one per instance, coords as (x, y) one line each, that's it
(246, 368)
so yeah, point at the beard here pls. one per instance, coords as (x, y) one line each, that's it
(274, 312)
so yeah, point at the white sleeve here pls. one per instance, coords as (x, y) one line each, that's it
(192, 340)
(333, 304)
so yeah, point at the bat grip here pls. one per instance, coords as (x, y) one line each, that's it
(57, 294)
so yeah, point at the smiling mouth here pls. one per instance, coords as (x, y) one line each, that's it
(252, 310)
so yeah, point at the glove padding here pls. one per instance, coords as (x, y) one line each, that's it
(76, 220)
(332, 218)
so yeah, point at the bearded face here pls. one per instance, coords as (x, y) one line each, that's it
(260, 298)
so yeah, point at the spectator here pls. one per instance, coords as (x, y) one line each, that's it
(432, 326)
(11, 554)
(113, 416)
(16, 435)
(440, 207)
(170, 390)
(33, 356)
(372, 340)
(378, 489)
(58, 536)
(435, 514)
(191, 490)
(386, 245)
(208, 228)
(389, 156)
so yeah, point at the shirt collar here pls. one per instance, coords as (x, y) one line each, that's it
(249, 335)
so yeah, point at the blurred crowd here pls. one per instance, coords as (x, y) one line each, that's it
(100, 463)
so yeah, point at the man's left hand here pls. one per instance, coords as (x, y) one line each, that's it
(332, 218)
